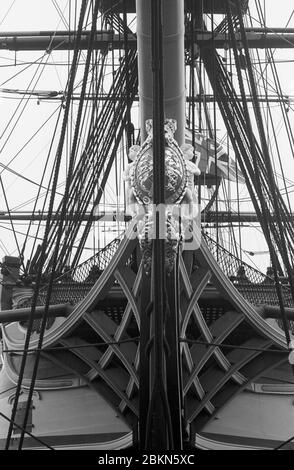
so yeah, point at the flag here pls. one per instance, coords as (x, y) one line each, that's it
(210, 154)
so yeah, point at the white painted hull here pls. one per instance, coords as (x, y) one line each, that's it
(66, 418)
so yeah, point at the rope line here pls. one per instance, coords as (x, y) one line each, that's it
(26, 431)
(76, 346)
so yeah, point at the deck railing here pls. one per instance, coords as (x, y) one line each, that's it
(256, 287)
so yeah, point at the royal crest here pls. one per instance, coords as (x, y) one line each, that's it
(175, 168)
(179, 190)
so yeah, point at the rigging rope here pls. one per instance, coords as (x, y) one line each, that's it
(272, 186)
(37, 439)
(31, 318)
(231, 346)
(158, 427)
(81, 195)
(63, 211)
(11, 221)
(253, 164)
(76, 346)
(7, 12)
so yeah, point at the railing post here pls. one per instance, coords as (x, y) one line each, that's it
(8, 277)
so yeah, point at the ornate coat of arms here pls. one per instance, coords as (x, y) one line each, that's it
(179, 189)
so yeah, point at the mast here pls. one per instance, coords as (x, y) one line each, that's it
(160, 49)
(173, 63)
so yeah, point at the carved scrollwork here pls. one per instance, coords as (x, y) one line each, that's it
(179, 191)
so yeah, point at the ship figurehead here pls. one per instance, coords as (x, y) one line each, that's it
(181, 204)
